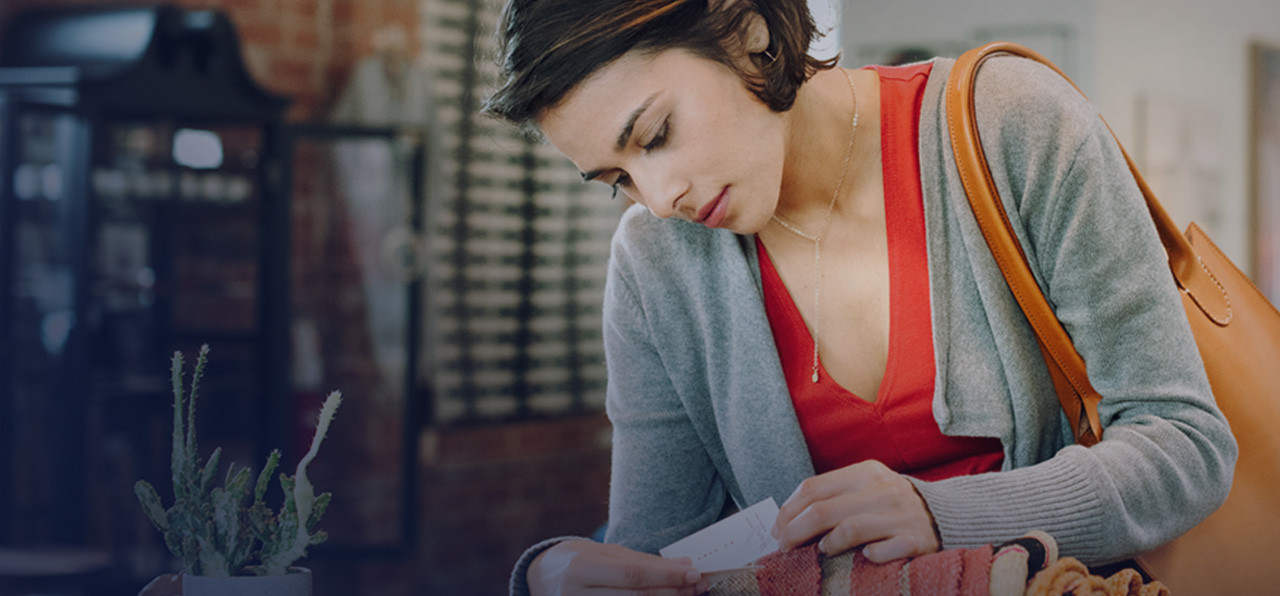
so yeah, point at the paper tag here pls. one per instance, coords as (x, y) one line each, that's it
(732, 543)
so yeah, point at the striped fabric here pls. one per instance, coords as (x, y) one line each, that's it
(1002, 570)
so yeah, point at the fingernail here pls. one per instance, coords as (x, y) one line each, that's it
(822, 546)
(692, 576)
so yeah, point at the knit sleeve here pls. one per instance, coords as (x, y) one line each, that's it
(1167, 457)
(519, 583)
(663, 484)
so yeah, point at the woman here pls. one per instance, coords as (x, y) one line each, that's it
(801, 306)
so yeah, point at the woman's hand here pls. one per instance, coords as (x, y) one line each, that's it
(862, 504)
(586, 567)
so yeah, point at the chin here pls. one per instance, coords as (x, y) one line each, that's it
(748, 226)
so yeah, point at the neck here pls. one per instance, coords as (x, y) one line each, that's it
(817, 143)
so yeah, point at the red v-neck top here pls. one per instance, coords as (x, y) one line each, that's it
(897, 429)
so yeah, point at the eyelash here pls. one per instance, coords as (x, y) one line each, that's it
(658, 141)
(622, 180)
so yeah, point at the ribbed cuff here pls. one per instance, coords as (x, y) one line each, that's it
(1055, 496)
(519, 585)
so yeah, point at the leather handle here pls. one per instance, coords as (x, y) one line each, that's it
(1066, 367)
(1065, 364)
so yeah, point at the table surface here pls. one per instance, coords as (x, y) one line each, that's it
(52, 562)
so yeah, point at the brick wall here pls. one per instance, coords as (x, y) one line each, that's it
(486, 492)
(490, 492)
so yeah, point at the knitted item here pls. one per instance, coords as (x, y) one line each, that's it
(1016, 561)
(977, 566)
(1070, 576)
(796, 572)
(1129, 582)
(806, 572)
(873, 579)
(837, 576)
(938, 575)
(740, 584)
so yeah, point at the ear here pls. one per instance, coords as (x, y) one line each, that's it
(755, 34)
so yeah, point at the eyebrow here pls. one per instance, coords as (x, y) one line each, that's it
(624, 135)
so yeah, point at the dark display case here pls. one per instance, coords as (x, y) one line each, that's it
(142, 211)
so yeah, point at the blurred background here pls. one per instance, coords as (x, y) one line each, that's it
(306, 187)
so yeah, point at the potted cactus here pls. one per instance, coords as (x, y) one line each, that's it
(229, 539)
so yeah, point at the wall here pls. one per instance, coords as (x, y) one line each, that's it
(1061, 29)
(1195, 53)
(1188, 53)
(826, 15)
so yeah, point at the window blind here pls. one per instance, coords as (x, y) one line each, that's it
(518, 246)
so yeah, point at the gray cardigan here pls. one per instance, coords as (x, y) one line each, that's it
(703, 422)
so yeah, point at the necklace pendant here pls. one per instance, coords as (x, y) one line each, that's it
(815, 376)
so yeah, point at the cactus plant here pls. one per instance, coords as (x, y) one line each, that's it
(228, 529)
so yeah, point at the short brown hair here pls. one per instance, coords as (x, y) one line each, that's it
(549, 46)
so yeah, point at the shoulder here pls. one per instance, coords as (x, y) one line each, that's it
(1025, 100)
(1034, 124)
(645, 241)
(674, 269)
(1018, 92)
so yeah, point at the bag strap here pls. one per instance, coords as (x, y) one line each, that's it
(1076, 395)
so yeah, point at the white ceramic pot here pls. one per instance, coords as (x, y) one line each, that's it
(295, 583)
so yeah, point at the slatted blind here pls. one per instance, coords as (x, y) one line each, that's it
(518, 247)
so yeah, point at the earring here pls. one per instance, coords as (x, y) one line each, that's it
(770, 55)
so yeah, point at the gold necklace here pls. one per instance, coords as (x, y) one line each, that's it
(826, 219)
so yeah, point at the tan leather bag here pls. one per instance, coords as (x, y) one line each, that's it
(1234, 550)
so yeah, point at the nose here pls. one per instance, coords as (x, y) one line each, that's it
(660, 190)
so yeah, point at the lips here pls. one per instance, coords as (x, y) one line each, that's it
(712, 214)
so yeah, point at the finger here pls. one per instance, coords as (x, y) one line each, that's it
(897, 547)
(810, 491)
(636, 571)
(845, 535)
(578, 566)
(898, 531)
(825, 486)
(816, 519)
(863, 518)
(859, 490)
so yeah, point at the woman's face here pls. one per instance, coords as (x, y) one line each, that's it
(678, 133)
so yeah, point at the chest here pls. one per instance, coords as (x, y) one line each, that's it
(840, 290)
